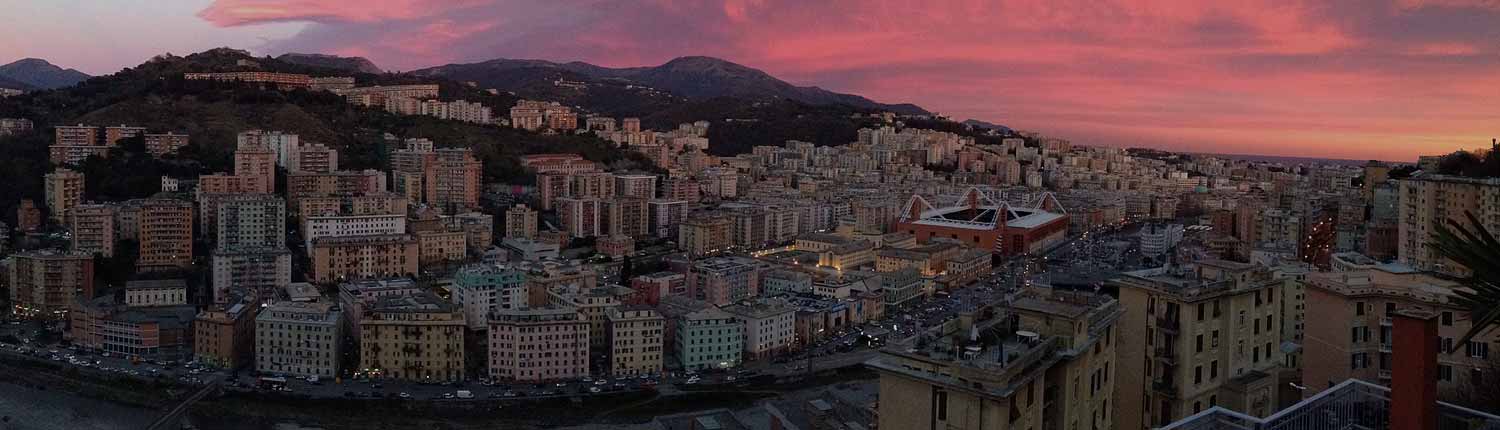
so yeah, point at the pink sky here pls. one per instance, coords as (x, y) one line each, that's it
(1387, 79)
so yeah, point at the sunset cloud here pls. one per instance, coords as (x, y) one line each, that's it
(1356, 79)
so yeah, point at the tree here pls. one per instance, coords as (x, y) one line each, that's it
(626, 269)
(1479, 251)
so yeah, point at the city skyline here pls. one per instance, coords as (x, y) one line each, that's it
(1368, 81)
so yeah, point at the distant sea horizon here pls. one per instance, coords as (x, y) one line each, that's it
(1296, 160)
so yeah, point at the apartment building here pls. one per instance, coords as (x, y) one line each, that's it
(44, 283)
(438, 246)
(330, 226)
(1351, 335)
(624, 216)
(313, 158)
(299, 339)
(769, 327)
(520, 222)
(416, 337)
(665, 217)
(165, 233)
(1045, 362)
(641, 186)
(1426, 201)
(724, 280)
(262, 271)
(481, 288)
(224, 335)
(580, 217)
(538, 344)
(704, 235)
(335, 183)
(357, 296)
(708, 339)
(1208, 335)
(93, 229)
(635, 341)
(594, 304)
(64, 190)
(159, 144)
(255, 157)
(251, 221)
(363, 257)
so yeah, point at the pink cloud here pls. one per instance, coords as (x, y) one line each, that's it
(1349, 77)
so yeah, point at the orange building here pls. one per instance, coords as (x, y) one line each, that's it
(224, 336)
(165, 233)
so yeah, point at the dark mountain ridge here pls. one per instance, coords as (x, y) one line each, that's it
(695, 77)
(38, 74)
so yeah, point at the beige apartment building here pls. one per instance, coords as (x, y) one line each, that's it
(158, 144)
(43, 284)
(257, 160)
(538, 344)
(437, 246)
(703, 235)
(415, 337)
(1350, 333)
(635, 340)
(594, 304)
(520, 221)
(1199, 336)
(1047, 362)
(336, 259)
(299, 339)
(64, 190)
(93, 229)
(1426, 201)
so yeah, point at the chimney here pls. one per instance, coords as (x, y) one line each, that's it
(1414, 371)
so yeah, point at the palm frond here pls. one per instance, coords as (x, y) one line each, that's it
(1478, 251)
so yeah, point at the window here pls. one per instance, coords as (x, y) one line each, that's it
(1213, 370)
(1200, 343)
(1477, 349)
(1197, 407)
(1445, 373)
(1197, 375)
(942, 405)
(1476, 376)
(1213, 400)
(1202, 307)
(1255, 358)
(1217, 311)
(1390, 307)
(1447, 318)
(1359, 308)
(1215, 342)
(1353, 334)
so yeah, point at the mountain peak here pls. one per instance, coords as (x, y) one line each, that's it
(40, 74)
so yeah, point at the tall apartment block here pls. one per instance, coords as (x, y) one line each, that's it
(165, 232)
(1427, 201)
(255, 157)
(93, 229)
(251, 221)
(1198, 336)
(520, 221)
(64, 190)
(43, 284)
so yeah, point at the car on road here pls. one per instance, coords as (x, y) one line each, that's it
(594, 389)
(404, 396)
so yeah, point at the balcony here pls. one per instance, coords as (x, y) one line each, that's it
(1164, 387)
(1166, 355)
(1350, 405)
(1168, 324)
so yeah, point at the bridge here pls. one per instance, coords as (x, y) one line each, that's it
(174, 415)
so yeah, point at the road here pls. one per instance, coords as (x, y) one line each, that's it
(174, 415)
